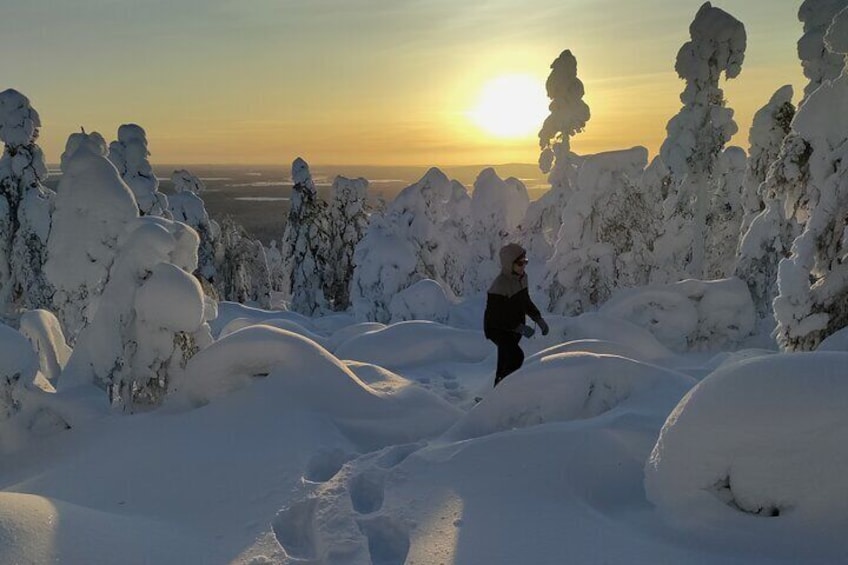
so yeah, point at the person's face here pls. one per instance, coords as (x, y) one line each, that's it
(519, 265)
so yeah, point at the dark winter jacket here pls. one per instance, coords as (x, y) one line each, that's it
(508, 300)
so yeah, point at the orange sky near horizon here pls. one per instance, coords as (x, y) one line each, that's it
(365, 81)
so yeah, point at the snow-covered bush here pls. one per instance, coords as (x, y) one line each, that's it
(92, 208)
(129, 155)
(44, 333)
(724, 218)
(813, 282)
(696, 138)
(764, 436)
(306, 244)
(186, 206)
(240, 266)
(151, 318)
(607, 229)
(569, 114)
(422, 234)
(424, 300)
(691, 314)
(819, 63)
(348, 221)
(25, 206)
(770, 126)
(497, 207)
(18, 368)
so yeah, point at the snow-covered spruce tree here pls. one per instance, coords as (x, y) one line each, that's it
(819, 63)
(569, 114)
(186, 206)
(276, 267)
(696, 138)
(241, 267)
(25, 206)
(348, 221)
(813, 282)
(770, 126)
(92, 208)
(604, 242)
(497, 207)
(725, 215)
(129, 155)
(150, 320)
(306, 245)
(421, 235)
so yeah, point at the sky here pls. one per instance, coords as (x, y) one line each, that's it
(381, 82)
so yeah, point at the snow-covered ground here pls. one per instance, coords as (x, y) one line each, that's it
(298, 440)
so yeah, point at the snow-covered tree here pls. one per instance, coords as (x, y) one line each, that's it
(92, 208)
(348, 221)
(276, 267)
(497, 207)
(421, 235)
(696, 138)
(151, 318)
(568, 116)
(813, 282)
(186, 206)
(819, 63)
(604, 242)
(770, 126)
(725, 215)
(306, 245)
(241, 267)
(25, 206)
(129, 154)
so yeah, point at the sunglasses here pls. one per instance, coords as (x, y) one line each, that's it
(521, 262)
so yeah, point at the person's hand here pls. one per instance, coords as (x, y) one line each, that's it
(525, 330)
(543, 325)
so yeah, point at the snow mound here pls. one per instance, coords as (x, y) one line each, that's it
(305, 376)
(412, 343)
(171, 298)
(229, 311)
(691, 314)
(18, 361)
(424, 300)
(596, 346)
(572, 386)
(43, 331)
(602, 327)
(35, 529)
(280, 323)
(766, 436)
(346, 333)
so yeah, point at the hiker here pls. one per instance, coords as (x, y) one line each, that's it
(507, 304)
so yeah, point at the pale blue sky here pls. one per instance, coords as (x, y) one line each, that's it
(362, 81)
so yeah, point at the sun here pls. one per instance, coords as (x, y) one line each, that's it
(511, 106)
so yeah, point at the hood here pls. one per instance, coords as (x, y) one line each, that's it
(509, 253)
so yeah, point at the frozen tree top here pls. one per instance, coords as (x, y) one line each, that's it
(301, 175)
(132, 133)
(819, 64)
(184, 181)
(569, 113)
(836, 38)
(19, 122)
(717, 45)
(93, 141)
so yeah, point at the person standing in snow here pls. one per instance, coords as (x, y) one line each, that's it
(507, 304)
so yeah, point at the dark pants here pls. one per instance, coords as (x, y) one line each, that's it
(510, 355)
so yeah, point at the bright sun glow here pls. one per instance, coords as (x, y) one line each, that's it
(511, 106)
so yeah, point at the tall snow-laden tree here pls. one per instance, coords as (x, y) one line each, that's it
(725, 215)
(186, 206)
(604, 242)
(497, 208)
(421, 235)
(306, 245)
(348, 221)
(696, 138)
(241, 267)
(25, 206)
(770, 126)
(92, 207)
(819, 63)
(568, 116)
(813, 282)
(151, 318)
(129, 154)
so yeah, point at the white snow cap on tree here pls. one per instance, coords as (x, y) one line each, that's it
(348, 221)
(93, 206)
(497, 207)
(130, 155)
(187, 206)
(19, 122)
(813, 281)
(819, 62)
(96, 144)
(241, 269)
